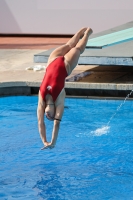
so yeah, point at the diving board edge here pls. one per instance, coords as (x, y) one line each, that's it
(93, 60)
(125, 61)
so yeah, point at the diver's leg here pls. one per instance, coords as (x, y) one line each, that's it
(64, 49)
(82, 43)
(71, 58)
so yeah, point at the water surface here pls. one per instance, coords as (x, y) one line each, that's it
(91, 161)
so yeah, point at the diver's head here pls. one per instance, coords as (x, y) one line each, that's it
(50, 111)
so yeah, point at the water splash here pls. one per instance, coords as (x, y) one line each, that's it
(101, 131)
(105, 129)
(118, 108)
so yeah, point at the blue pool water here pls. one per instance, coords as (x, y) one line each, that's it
(91, 161)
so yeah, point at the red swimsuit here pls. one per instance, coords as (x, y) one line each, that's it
(54, 79)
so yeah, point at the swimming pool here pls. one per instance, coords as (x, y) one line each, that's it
(86, 164)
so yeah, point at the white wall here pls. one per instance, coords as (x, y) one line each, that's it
(62, 16)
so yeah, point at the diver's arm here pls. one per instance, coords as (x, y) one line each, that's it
(58, 116)
(41, 124)
(55, 132)
(56, 126)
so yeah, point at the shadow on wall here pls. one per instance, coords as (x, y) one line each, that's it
(5, 15)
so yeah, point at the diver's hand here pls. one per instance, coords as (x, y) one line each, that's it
(48, 145)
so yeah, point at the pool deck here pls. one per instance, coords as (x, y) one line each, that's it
(17, 53)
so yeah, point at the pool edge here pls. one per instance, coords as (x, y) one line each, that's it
(77, 89)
